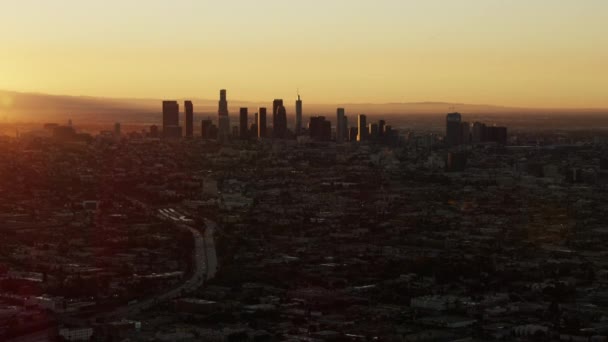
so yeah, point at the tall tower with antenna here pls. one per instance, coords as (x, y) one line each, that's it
(298, 127)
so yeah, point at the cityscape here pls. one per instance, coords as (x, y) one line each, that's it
(267, 171)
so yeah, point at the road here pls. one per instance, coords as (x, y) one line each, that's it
(205, 268)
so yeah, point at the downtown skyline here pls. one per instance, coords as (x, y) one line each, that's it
(532, 55)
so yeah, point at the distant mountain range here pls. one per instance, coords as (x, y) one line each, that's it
(35, 107)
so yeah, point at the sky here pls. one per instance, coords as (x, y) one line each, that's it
(525, 53)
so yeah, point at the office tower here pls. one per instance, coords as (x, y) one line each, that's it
(117, 130)
(341, 125)
(465, 133)
(279, 126)
(319, 128)
(189, 110)
(452, 134)
(373, 131)
(275, 107)
(206, 129)
(298, 127)
(153, 131)
(223, 118)
(261, 123)
(173, 132)
(478, 132)
(170, 119)
(352, 134)
(243, 123)
(253, 130)
(381, 127)
(362, 135)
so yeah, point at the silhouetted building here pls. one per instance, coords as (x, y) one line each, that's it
(223, 117)
(362, 125)
(298, 127)
(478, 133)
(381, 127)
(279, 126)
(189, 111)
(456, 161)
(171, 119)
(319, 128)
(243, 123)
(262, 123)
(453, 129)
(465, 133)
(373, 131)
(208, 129)
(341, 126)
(117, 129)
(352, 134)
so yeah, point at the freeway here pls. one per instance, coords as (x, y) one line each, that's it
(205, 267)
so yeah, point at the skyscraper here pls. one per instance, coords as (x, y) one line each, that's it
(171, 127)
(319, 128)
(189, 110)
(208, 130)
(243, 124)
(341, 126)
(275, 106)
(373, 131)
(279, 126)
(465, 133)
(223, 118)
(298, 127)
(453, 129)
(381, 127)
(362, 136)
(261, 122)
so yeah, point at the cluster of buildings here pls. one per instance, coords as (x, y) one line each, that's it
(271, 125)
(315, 241)
(460, 132)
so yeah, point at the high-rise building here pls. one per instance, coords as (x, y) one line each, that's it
(206, 129)
(453, 129)
(243, 123)
(465, 132)
(381, 127)
(223, 117)
(352, 134)
(279, 126)
(171, 127)
(319, 128)
(117, 130)
(362, 128)
(189, 111)
(373, 131)
(341, 125)
(478, 133)
(275, 107)
(298, 127)
(261, 123)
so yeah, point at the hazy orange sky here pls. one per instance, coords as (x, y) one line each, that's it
(535, 53)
